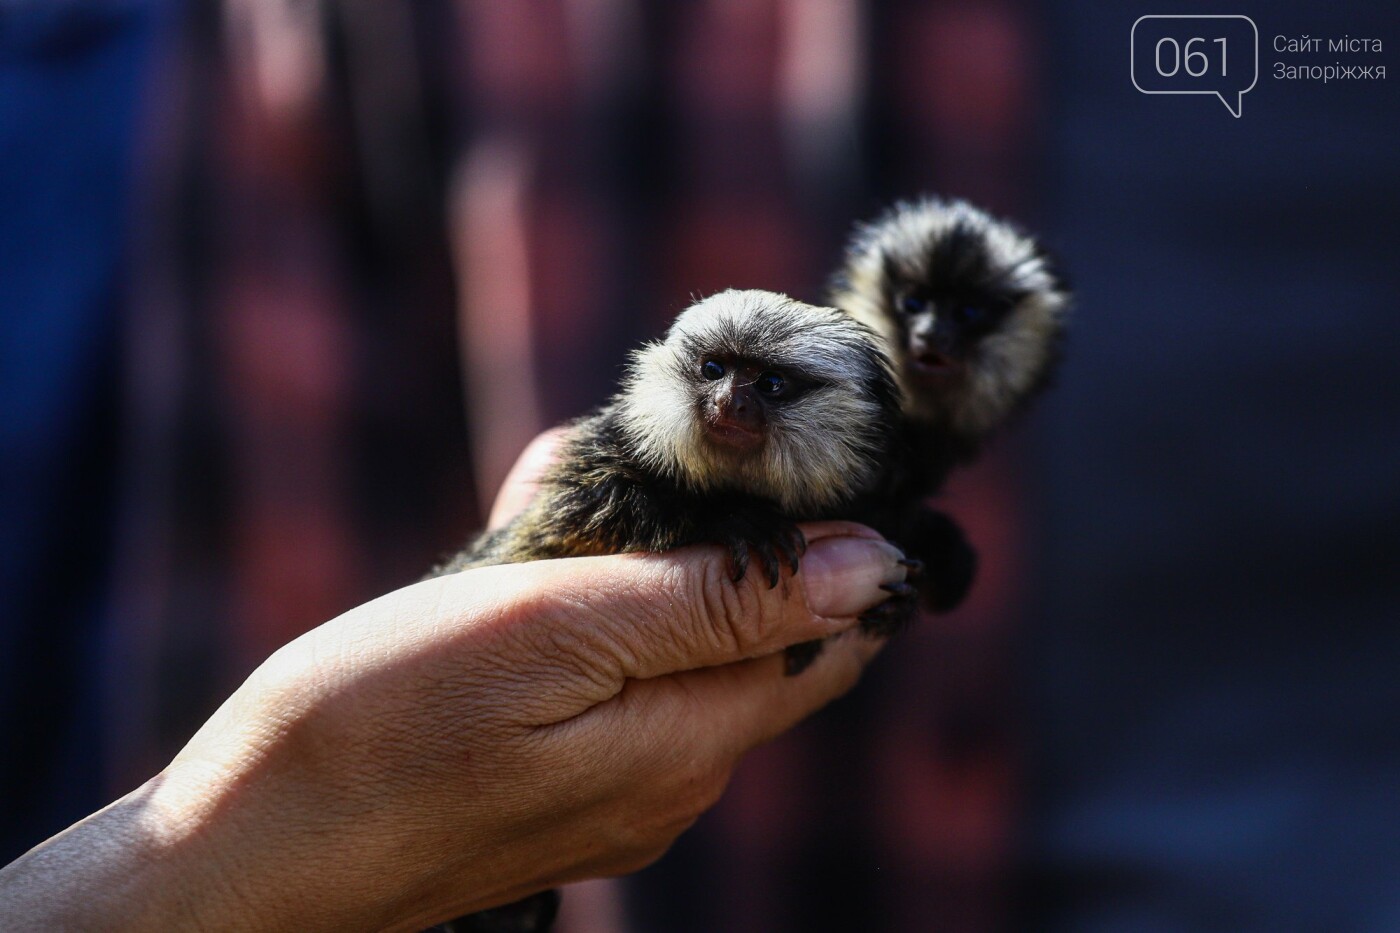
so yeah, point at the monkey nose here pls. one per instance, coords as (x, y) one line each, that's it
(738, 421)
(932, 352)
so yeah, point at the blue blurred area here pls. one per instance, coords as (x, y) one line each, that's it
(71, 74)
(1213, 683)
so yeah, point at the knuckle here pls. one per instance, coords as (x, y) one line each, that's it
(741, 616)
(682, 781)
(641, 860)
(704, 790)
(635, 859)
(693, 785)
(673, 808)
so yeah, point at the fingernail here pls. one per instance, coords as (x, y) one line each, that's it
(844, 575)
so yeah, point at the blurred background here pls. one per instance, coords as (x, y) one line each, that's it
(285, 286)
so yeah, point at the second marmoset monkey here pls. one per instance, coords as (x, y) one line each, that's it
(972, 313)
(756, 412)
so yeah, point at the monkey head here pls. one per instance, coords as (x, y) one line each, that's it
(972, 309)
(754, 391)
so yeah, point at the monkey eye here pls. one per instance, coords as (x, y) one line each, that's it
(913, 304)
(712, 370)
(770, 383)
(969, 315)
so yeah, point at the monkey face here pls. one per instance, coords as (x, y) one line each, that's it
(970, 307)
(941, 335)
(739, 398)
(970, 352)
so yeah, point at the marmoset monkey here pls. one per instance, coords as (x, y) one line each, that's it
(754, 413)
(971, 311)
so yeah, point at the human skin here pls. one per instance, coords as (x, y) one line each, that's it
(465, 741)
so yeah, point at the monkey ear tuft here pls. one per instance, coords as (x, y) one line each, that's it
(1054, 267)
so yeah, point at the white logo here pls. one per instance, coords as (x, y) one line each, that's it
(1181, 54)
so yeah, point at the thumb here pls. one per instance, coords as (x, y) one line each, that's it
(639, 616)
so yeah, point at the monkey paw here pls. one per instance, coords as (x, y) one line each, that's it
(884, 620)
(892, 615)
(797, 658)
(770, 538)
(949, 560)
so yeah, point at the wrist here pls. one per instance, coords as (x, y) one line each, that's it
(254, 848)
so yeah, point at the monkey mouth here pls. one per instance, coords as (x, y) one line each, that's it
(934, 366)
(733, 437)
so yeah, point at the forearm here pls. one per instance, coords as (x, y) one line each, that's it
(235, 834)
(166, 857)
(131, 866)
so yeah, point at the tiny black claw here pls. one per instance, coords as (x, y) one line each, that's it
(890, 617)
(913, 565)
(738, 561)
(887, 610)
(792, 547)
(770, 541)
(797, 658)
(899, 589)
(770, 566)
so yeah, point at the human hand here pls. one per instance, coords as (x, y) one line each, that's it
(471, 739)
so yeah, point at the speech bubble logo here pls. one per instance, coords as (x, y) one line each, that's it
(1187, 54)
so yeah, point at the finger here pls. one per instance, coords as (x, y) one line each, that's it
(523, 479)
(734, 707)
